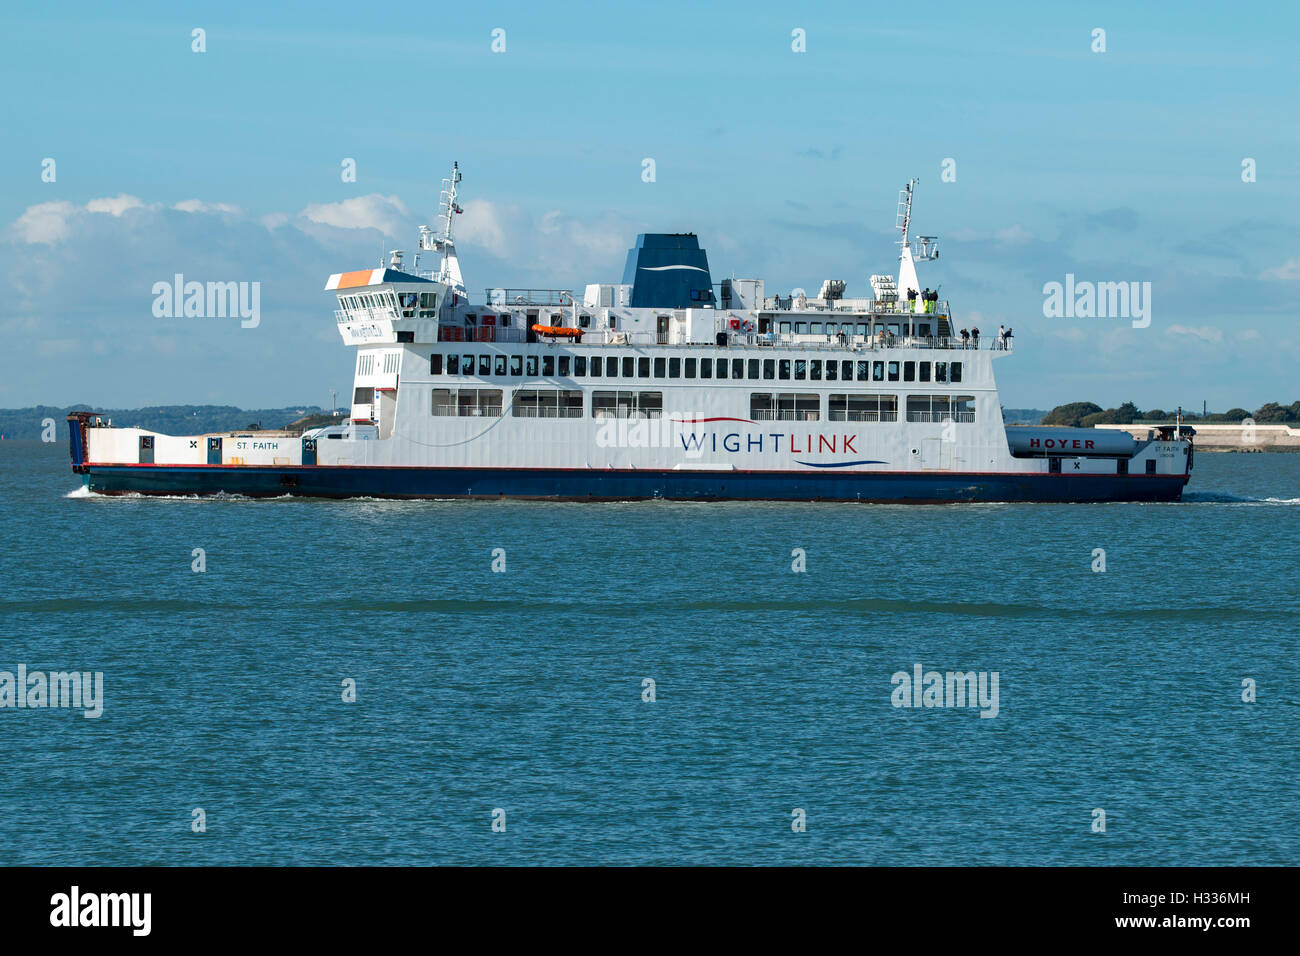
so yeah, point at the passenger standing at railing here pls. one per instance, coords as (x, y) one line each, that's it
(1002, 337)
(965, 339)
(911, 300)
(975, 336)
(1007, 343)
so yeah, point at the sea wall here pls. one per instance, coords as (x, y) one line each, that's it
(1231, 437)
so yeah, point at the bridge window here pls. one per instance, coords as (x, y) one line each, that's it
(909, 371)
(643, 367)
(878, 372)
(548, 366)
(516, 365)
(530, 366)
(893, 371)
(500, 365)
(722, 368)
(753, 368)
(738, 368)
(941, 371)
(800, 369)
(924, 368)
(954, 372)
(484, 366)
(864, 371)
(453, 364)
(674, 368)
(580, 365)
(858, 407)
(628, 362)
(435, 363)
(611, 367)
(661, 366)
(690, 368)
(832, 371)
(784, 368)
(565, 363)
(595, 365)
(815, 370)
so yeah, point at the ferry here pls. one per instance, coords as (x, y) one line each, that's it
(663, 385)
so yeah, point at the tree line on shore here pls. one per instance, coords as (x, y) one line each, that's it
(1088, 414)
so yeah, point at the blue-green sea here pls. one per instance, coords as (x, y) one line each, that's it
(524, 690)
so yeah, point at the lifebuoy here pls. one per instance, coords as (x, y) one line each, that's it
(749, 325)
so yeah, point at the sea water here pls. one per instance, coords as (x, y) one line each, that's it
(652, 682)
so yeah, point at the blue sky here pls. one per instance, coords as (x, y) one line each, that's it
(225, 165)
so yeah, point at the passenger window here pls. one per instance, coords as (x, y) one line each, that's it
(722, 368)
(500, 365)
(435, 363)
(769, 368)
(864, 369)
(580, 365)
(878, 372)
(753, 368)
(690, 368)
(800, 369)
(643, 367)
(954, 372)
(595, 365)
(548, 366)
(893, 371)
(815, 370)
(627, 367)
(783, 365)
(706, 368)
(564, 366)
(941, 371)
(531, 365)
(484, 366)
(909, 371)
(453, 364)
(661, 365)
(925, 371)
(738, 368)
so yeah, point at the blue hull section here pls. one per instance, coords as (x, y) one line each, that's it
(379, 482)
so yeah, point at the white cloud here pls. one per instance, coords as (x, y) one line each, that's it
(488, 224)
(198, 205)
(385, 213)
(1287, 271)
(1203, 333)
(50, 222)
(115, 205)
(45, 222)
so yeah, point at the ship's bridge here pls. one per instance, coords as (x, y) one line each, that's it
(388, 304)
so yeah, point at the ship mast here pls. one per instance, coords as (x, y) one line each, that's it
(442, 243)
(911, 251)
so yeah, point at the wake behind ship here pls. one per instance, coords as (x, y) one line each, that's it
(663, 385)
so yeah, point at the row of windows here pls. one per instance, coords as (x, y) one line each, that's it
(763, 406)
(597, 366)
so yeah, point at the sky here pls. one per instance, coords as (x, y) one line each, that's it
(227, 165)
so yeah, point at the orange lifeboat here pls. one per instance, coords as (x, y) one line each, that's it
(557, 330)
